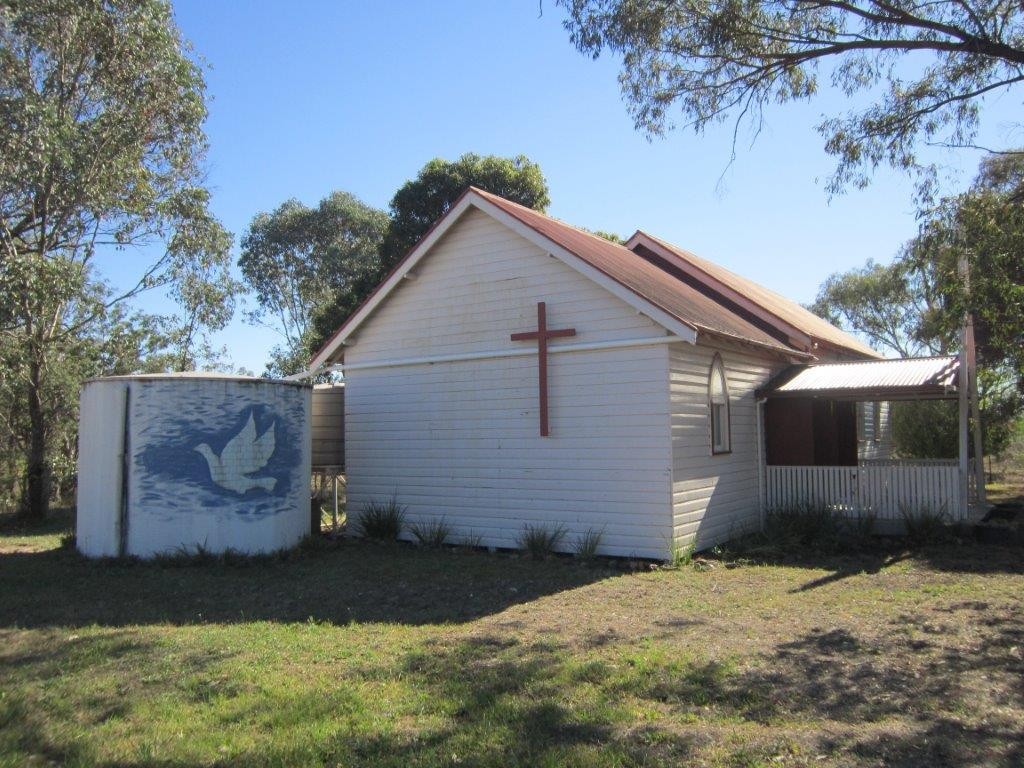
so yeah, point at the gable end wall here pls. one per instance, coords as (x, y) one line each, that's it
(459, 440)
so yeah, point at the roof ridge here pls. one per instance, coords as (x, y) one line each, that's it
(563, 222)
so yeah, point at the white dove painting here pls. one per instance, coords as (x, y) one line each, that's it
(242, 456)
(218, 462)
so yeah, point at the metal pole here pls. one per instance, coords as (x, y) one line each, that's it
(972, 379)
(963, 385)
(334, 516)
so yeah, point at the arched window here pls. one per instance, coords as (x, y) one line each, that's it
(718, 407)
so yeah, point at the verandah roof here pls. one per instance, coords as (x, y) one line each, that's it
(918, 378)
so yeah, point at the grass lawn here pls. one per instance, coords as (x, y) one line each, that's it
(367, 654)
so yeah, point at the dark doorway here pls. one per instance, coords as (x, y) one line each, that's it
(811, 432)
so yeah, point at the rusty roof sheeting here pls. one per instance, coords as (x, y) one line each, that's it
(648, 281)
(917, 375)
(786, 310)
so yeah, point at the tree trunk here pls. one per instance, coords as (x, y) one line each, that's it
(36, 503)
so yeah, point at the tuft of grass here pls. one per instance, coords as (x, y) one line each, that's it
(382, 520)
(923, 525)
(587, 543)
(432, 533)
(473, 540)
(679, 555)
(541, 541)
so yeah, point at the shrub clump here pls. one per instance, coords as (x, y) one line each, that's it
(923, 526)
(587, 543)
(382, 520)
(541, 541)
(431, 533)
(679, 555)
(807, 529)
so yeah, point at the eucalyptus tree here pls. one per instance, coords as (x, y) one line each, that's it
(916, 304)
(921, 69)
(296, 259)
(101, 124)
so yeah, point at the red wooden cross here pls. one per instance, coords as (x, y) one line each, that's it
(542, 334)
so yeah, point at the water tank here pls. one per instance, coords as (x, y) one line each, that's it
(329, 426)
(174, 462)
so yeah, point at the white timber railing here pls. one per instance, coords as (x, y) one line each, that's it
(884, 489)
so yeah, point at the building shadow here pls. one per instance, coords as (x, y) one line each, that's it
(352, 581)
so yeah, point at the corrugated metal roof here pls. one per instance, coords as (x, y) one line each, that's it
(678, 299)
(771, 302)
(922, 375)
(686, 303)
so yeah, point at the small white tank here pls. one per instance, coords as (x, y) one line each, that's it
(174, 462)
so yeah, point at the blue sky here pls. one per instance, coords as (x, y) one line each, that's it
(308, 97)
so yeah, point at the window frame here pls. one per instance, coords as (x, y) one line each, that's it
(718, 368)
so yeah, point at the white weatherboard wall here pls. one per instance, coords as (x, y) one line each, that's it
(715, 497)
(148, 486)
(460, 439)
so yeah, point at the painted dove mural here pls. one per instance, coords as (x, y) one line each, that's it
(243, 455)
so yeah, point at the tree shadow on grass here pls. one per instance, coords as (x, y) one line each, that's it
(931, 703)
(956, 556)
(355, 581)
(855, 700)
(903, 696)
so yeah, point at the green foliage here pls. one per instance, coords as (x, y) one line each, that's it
(431, 533)
(925, 429)
(587, 543)
(985, 225)
(540, 541)
(916, 304)
(103, 149)
(417, 205)
(297, 259)
(892, 306)
(422, 201)
(382, 520)
(712, 59)
(609, 236)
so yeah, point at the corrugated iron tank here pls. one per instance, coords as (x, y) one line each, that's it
(176, 462)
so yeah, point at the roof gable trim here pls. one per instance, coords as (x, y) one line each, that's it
(471, 198)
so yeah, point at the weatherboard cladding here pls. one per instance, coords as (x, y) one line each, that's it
(459, 440)
(714, 496)
(441, 406)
